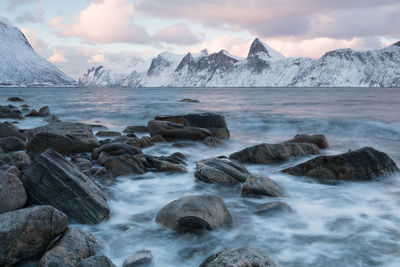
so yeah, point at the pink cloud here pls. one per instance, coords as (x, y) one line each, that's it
(177, 34)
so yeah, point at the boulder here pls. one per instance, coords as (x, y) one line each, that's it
(169, 163)
(15, 99)
(221, 170)
(273, 153)
(139, 258)
(10, 112)
(239, 257)
(194, 213)
(316, 139)
(115, 149)
(43, 112)
(143, 142)
(8, 130)
(212, 121)
(123, 165)
(212, 141)
(25, 233)
(63, 137)
(171, 130)
(96, 261)
(272, 208)
(12, 143)
(101, 175)
(261, 185)
(189, 100)
(364, 164)
(136, 129)
(12, 192)
(107, 133)
(74, 246)
(52, 180)
(21, 159)
(157, 139)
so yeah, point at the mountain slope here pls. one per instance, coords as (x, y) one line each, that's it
(21, 66)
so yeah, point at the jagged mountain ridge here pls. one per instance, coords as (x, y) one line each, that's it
(20, 66)
(263, 67)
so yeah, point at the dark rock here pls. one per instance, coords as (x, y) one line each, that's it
(115, 149)
(139, 258)
(363, 164)
(10, 112)
(15, 99)
(12, 143)
(189, 100)
(74, 246)
(107, 133)
(221, 170)
(12, 192)
(136, 129)
(316, 139)
(170, 163)
(63, 137)
(272, 208)
(193, 213)
(273, 153)
(52, 180)
(52, 118)
(123, 165)
(25, 106)
(43, 112)
(212, 141)
(25, 233)
(171, 130)
(239, 257)
(143, 142)
(21, 159)
(257, 47)
(261, 185)
(213, 122)
(157, 139)
(101, 175)
(82, 163)
(8, 130)
(96, 261)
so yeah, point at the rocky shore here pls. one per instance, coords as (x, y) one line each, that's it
(56, 175)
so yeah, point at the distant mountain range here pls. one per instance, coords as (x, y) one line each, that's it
(263, 67)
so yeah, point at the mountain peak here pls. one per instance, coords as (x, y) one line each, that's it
(397, 44)
(259, 47)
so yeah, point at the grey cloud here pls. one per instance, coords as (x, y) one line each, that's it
(179, 34)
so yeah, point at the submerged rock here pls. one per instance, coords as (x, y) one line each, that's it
(272, 208)
(171, 130)
(363, 164)
(194, 213)
(273, 153)
(239, 257)
(261, 185)
(12, 192)
(27, 232)
(139, 258)
(316, 139)
(212, 141)
(52, 180)
(10, 112)
(15, 99)
(189, 100)
(96, 261)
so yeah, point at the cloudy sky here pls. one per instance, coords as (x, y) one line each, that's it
(77, 34)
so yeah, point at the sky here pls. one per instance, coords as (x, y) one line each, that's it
(78, 34)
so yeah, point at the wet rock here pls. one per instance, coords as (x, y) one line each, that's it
(101, 175)
(96, 261)
(52, 180)
(157, 139)
(115, 149)
(25, 106)
(74, 246)
(123, 165)
(143, 142)
(364, 164)
(139, 258)
(136, 129)
(21, 159)
(82, 163)
(52, 118)
(10, 112)
(8, 130)
(316, 139)
(189, 100)
(239, 257)
(212, 141)
(273, 153)
(170, 163)
(43, 112)
(107, 133)
(171, 130)
(25, 233)
(195, 213)
(221, 170)
(63, 137)
(12, 143)
(12, 192)
(212, 121)
(272, 208)
(15, 99)
(261, 185)
(180, 145)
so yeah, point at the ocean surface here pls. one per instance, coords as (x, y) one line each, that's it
(344, 224)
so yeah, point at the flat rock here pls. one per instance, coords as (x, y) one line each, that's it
(261, 185)
(74, 246)
(9, 130)
(316, 139)
(52, 180)
(239, 257)
(12, 192)
(272, 208)
(10, 112)
(15, 99)
(221, 170)
(139, 258)
(274, 153)
(12, 143)
(115, 149)
(96, 261)
(364, 164)
(195, 213)
(63, 137)
(171, 130)
(107, 133)
(136, 129)
(25, 233)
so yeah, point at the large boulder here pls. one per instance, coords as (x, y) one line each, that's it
(10, 112)
(194, 213)
(74, 246)
(12, 143)
(139, 258)
(12, 192)
(96, 261)
(239, 257)
(316, 139)
(172, 130)
(221, 170)
(52, 180)
(27, 232)
(273, 153)
(7, 130)
(261, 185)
(63, 137)
(363, 164)
(212, 121)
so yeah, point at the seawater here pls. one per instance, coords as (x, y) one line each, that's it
(344, 224)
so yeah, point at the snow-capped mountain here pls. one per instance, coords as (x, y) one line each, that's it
(263, 67)
(21, 66)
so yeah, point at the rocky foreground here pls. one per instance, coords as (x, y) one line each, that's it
(54, 175)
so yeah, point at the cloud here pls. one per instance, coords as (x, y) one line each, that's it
(235, 45)
(36, 42)
(106, 21)
(13, 4)
(179, 34)
(57, 57)
(32, 17)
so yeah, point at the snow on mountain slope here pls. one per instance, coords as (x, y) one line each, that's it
(263, 67)
(21, 66)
